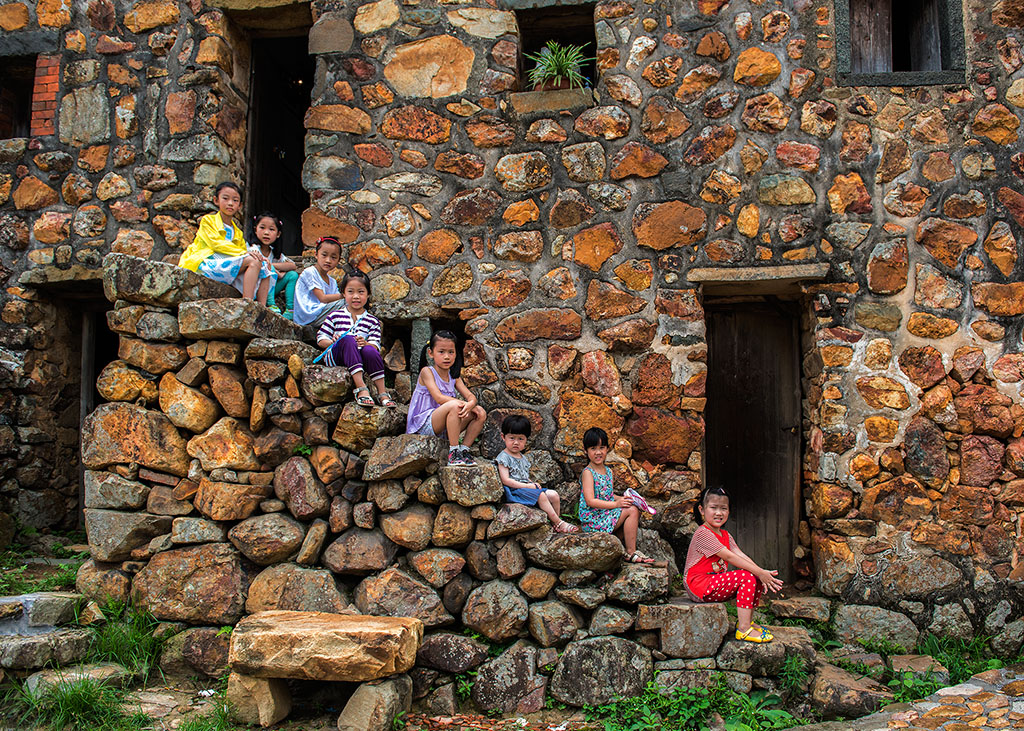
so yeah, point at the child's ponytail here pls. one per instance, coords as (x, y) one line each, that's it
(456, 368)
(702, 500)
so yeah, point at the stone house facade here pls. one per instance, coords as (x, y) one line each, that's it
(731, 156)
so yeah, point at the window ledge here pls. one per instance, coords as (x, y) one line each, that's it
(557, 100)
(903, 78)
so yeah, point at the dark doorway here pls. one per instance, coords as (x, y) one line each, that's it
(282, 77)
(753, 425)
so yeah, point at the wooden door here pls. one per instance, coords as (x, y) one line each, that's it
(753, 426)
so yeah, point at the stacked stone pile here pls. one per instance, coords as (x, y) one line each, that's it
(37, 631)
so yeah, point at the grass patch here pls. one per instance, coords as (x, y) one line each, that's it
(127, 639)
(16, 577)
(689, 709)
(962, 658)
(83, 705)
(218, 719)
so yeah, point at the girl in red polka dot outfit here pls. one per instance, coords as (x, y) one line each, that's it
(712, 552)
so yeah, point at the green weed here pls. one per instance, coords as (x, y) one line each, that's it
(14, 577)
(882, 646)
(127, 638)
(82, 705)
(858, 668)
(963, 658)
(399, 722)
(794, 674)
(908, 687)
(304, 449)
(464, 684)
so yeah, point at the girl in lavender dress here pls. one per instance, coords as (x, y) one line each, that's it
(441, 405)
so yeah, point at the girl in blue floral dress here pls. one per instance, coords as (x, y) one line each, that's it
(601, 510)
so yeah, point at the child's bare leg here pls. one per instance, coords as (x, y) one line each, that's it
(474, 424)
(263, 290)
(358, 380)
(629, 518)
(378, 383)
(446, 417)
(544, 503)
(556, 501)
(250, 277)
(743, 616)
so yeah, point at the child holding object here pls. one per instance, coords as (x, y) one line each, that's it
(316, 292)
(514, 470)
(219, 250)
(266, 233)
(601, 510)
(712, 551)
(442, 405)
(351, 337)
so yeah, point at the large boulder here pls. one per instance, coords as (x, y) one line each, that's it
(510, 683)
(637, 583)
(268, 539)
(437, 565)
(121, 433)
(515, 518)
(107, 491)
(228, 500)
(359, 551)
(837, 693)
(296, 588)
(359, 427)
(686, 630)
(150, 282)
(596, 670)
(228, 444)
(451, 653)
(591, 551)
(767, 660)
(553, 623)
(469, 486)
(113, 535)
(375, 706)
(396, 457)
(186, 407)
(296, 484)
(853, 622)
(318, 646)
(410, 528)
(203, 584)
(496, 610)
(262, 701)
(394, 593)
(234, 318)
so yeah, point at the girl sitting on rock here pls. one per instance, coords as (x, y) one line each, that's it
(351, 337)
(601, 510)
(442, 405)
(219, 250)
(266, 234)
(712, 551)
(316, 292)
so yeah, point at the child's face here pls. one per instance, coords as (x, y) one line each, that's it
(597, 454)
(267, 231)
(715, 510)
(356, 295)
(514, 443)
(228, 202)
(443, 353)
(327, 257)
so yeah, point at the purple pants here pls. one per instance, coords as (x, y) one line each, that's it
(356, 359)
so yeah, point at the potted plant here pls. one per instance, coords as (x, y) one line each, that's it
(558, 67)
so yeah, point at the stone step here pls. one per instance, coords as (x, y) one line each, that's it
(148, 282)
(232, 317)
(321, 646)
(393, 458)
(104, 673)
(39, 612)
(32, 652)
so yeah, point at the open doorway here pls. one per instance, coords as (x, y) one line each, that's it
(753, 420)
(281, 83)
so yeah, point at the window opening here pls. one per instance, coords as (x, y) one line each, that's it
(17, 77)
(282, 81)
(570, 25)
(900, 42)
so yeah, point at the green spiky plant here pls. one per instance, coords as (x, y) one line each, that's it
(558, 64)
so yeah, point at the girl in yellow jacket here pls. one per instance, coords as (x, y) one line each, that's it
(219, 250)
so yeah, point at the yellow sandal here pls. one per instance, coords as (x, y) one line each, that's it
(755, 634)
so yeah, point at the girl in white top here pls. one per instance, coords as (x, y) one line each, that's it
(316, 292)
(266, 238)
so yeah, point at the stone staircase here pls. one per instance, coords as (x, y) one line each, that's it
(36, 631)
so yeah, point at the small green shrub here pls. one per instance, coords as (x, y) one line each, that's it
(794, 674)
(82, 705)
(558, 63)
(464, 684)
(908, 687)
(963, 658)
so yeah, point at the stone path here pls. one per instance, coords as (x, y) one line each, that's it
(993, 699)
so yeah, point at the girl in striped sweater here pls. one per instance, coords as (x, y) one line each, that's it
(351, 337)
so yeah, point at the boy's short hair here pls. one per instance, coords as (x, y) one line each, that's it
(516, 424)
(594, 437)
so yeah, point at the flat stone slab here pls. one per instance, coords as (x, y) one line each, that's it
(393, 458)
(321, 646)
(228, 317)
(135, 279)
(104, 673)
(19, 652)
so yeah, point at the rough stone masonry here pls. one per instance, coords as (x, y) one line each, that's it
(567, 233)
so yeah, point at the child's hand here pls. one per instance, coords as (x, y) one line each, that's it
(464, 410)
(770, 580)
(360, 341)
(623, 501)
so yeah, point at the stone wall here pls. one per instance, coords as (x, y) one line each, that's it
(572, 234)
